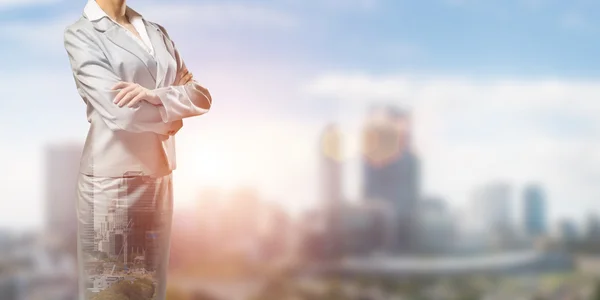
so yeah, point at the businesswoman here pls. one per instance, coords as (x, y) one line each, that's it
(137, 90)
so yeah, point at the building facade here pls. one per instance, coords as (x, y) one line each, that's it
(391, 170)
(534, 211)
(61, 171)
(330, 169)
(491, 210)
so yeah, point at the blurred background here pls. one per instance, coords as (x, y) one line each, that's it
(358, 149)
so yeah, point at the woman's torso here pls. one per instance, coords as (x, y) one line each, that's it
(111, 153)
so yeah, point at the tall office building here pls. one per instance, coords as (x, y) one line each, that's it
(61, 170)
(152, 250)
(492, 211)
(113, 228)
(331, 165)
(331, 186)
(391, 169)
(143, 220)
(534, 210)
(115, 243)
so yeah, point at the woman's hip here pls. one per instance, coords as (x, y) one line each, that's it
(133, 192)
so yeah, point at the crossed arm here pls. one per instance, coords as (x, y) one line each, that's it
(160, 110)
(131, 94)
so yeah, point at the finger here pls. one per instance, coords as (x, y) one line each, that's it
(139, 97)
(123, 92)
(183, 79)
(120, 85)
(187, 79)
(184, 72)
(128, 97)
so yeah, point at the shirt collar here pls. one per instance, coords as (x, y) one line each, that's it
(94, 12)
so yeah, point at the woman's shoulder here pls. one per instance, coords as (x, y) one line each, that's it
(80, 28)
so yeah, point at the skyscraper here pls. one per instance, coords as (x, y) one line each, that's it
(116, 225)
(142, 217)
(331, 165)
(115, 243)
(534, 210)
(492, 211)
(61, 170)
(331, 186)
(391, 169)
(152, 250)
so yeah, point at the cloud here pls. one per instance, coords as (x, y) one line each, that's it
(445, 91)
(472, 130)
(31, 34)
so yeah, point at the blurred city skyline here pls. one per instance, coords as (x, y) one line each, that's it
(488, 201)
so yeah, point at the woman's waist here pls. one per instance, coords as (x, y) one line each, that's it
(127, 169)
(114, 158)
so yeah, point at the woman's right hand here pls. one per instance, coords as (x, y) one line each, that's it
(186, 77)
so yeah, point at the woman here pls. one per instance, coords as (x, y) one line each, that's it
(137, 91)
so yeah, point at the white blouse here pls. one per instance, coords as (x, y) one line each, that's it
(94, 12)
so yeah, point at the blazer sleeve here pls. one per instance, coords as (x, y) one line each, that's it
(95, 78)
(182, 101)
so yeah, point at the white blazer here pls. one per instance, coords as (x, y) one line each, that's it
(125, 141)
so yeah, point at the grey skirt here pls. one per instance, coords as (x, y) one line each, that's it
(124, 229)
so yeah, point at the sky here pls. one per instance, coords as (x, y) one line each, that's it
(498, 90)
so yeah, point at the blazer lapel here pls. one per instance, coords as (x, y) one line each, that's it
(160, 51)
(121, 38)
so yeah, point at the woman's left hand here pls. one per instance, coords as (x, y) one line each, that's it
(186, 77)
(132, 93)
